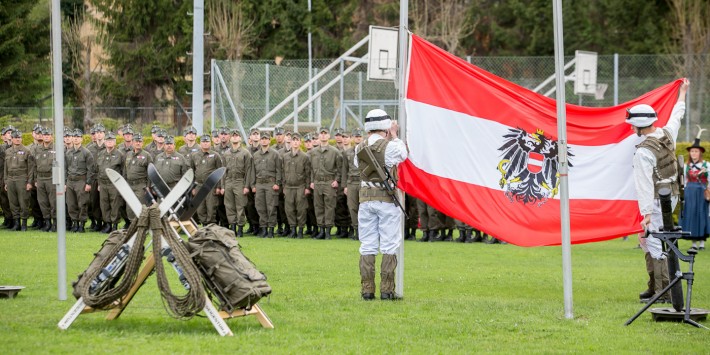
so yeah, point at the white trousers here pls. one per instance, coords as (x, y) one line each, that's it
(379, 227)
(654, 245)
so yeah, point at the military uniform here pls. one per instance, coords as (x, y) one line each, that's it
(430, 220)
(171, 167)
(135, 171)
(327, 166)
(187, 151)
(4, 199)
(352, 178)
(297, 178)
(80, 171)
(35, 208)
(46, 190)
(19, 172)
(110, 199)
(239, 176)
(268, 172)
(251, 212)
(95, 210)
(204, 163)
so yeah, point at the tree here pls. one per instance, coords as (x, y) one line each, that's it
(146, 42)
(24, 52)
(232, 31)
(444, 22)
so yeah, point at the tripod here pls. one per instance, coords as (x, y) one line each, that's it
(669, 237)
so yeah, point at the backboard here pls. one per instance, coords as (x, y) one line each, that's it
(585, 70)
(382, 62)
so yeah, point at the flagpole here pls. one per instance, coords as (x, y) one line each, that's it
(562, 144)
(401, 116)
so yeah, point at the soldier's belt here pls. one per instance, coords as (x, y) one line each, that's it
(136, 181)
(44, 175)
(76, 177)
(353, 180)
(266, 180)
(374, 194)
(325, 178)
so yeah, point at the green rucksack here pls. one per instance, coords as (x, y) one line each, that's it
(233, 277)
(104, 252)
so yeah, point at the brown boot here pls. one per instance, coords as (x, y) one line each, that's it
(660, 279)
(389, 263)
(650, 290)
(367, 276)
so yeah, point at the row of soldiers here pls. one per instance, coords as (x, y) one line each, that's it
(301, 185)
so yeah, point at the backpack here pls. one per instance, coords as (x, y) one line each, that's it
(228, 273)
(104, 252)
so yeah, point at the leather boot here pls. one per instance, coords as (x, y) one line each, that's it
(93, 225)
(288, 231)
(74, 226)
(320, 234)
(299, 233)
(650, 290)
(344, 231)
(251, 229)
(425, 236)
(36, 223)
(17, 225)
(240, 231)
(462, 236)
(389, 263)
(232, 227)
(257, 230)
(292, 232)
(351, 233)
(661, 279)
(280, 230)
(23, 228)
(478, 236)
(262, 232)
(7, 223)
(47, 225)
(433, 234)
(448, 236)
(326, 233)
(106, 228)
(81, 227)
(115, 226)
(99, 226)
(367, 277)
(54, 225)
(270, 232)
(338, 231)
(469, 239)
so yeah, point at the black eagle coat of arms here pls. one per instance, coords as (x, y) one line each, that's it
(528, 166)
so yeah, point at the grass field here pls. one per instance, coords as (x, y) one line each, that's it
(458, 299)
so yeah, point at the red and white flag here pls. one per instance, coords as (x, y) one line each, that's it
(484, 150)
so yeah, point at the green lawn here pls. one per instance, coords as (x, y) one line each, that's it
(458, 299)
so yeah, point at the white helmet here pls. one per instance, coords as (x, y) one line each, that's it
(641, 116)
(377, 120)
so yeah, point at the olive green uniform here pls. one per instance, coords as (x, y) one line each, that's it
(19, 171)
(80, 171)
(352, 174)
(171, 167)
(109, 198)
(327, 166)
(46, 190)
(204, 163)
(297, 178)
(4, 199)
(268, 172)
(239, 176)
(187, 151)
(35, 208)
(135, 171)
(94, 195)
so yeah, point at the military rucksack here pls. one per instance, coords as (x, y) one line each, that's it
(237, 281)
(114, 238)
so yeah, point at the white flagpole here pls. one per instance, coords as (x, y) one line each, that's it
(401, 116)
(58, 166)
(562, 143)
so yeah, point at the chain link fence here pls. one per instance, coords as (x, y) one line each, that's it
(244, 92)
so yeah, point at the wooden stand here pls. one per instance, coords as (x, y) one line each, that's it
(11, 291)
(118, 306)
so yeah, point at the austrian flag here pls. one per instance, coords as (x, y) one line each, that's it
(484, 151)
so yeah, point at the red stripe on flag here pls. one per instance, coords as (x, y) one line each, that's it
(437, 78)
(517, 223)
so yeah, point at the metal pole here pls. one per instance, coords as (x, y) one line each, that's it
(266, 90)
(687, 115)
(295, 114)
(616, 79)
(402, 61)
(562, 143)
(318, 101)
(310, 66)
(342, 93)
(198, 57)
(58, 165)
(213, 91)
(359, 97)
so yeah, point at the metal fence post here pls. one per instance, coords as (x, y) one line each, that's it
(267, 105)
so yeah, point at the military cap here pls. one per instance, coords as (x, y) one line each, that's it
(160, 133)
(37, 128)
(16, 134)
(169, 140)
(254, 130)
(5, 129)
(307, 137)
(67, 132)
(138, 137)
(295, 136)
(92, 130)
(345, 133)
(265, 134)
(338, 131)
(46, 130)
(127, 130)
(205, 138)
(236, 131)
(76, 133)
(278, 130)
(191, 129)
(215, 132)
(154, 129)
(357, 132)
(223, 130)
(100, 128)
(110, 135)
(323, 129)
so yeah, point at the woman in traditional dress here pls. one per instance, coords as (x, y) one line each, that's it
(695, 209)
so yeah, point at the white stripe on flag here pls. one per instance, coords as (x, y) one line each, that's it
(465, 148)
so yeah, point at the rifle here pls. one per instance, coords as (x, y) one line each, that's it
(681, 184)
(385, 176)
